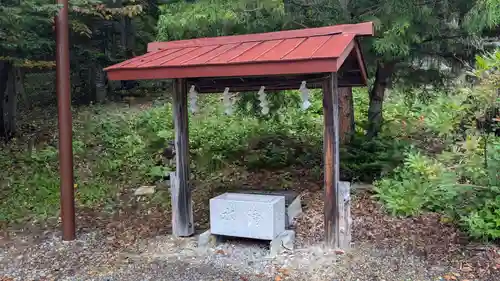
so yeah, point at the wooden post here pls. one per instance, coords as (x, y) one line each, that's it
(182, 209)
(331, 161)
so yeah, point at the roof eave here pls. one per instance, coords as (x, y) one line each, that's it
(322, 65)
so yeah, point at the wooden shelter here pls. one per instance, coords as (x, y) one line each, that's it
(326, 57)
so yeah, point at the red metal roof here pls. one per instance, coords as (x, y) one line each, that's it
(312, 50)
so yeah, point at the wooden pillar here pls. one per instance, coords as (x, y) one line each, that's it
(346, 112)
(331, 161)
(182, 209)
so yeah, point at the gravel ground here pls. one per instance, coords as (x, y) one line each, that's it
(385, 248)
(166, 258)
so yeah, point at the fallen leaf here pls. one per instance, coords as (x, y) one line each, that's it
(339, 252)
(466, 269)
(243, 278)
(278, 278)
(283, 271)
(220, 252)
(445, 219)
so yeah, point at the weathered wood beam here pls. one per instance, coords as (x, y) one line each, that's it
(182, 209)
(278, 83)
(331, 161)
(219, 87)
(244, 84)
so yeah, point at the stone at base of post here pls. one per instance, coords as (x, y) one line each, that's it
(285, 241)
(345, 215)
(209, 240)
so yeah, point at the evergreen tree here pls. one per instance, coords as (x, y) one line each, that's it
(408, 33)
(27, 41)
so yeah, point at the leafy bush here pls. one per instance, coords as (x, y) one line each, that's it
(411, 187)
(118, 148)
(368, 159)
(461, 180)
(451, 186)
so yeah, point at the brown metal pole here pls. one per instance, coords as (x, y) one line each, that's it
(65, 123)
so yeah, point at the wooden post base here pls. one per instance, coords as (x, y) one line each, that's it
(345, 222)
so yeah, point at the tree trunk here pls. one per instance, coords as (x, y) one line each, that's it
(100, 84)
(153, 9)
(288, 6)
(12, 103)
(90, 86)
(20, 92)
(346, 112)
(4, 78)
(382, 79)
(8, 100)
(130, 37)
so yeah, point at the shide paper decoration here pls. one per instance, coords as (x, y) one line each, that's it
(193, 98)
(305, 95)
(264, 104)
(228, 104)
(263, 101)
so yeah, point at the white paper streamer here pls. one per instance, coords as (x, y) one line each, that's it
(228, 104)
(263, 101)
(305, 95)
(193, 98)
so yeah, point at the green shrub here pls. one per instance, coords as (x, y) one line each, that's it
(410, 188)
(484, 222)
(118, 148)
(460, 180)
(423, 184)
(368, 159)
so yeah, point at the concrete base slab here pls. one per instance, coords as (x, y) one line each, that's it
(284, 242)
(209, 240)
